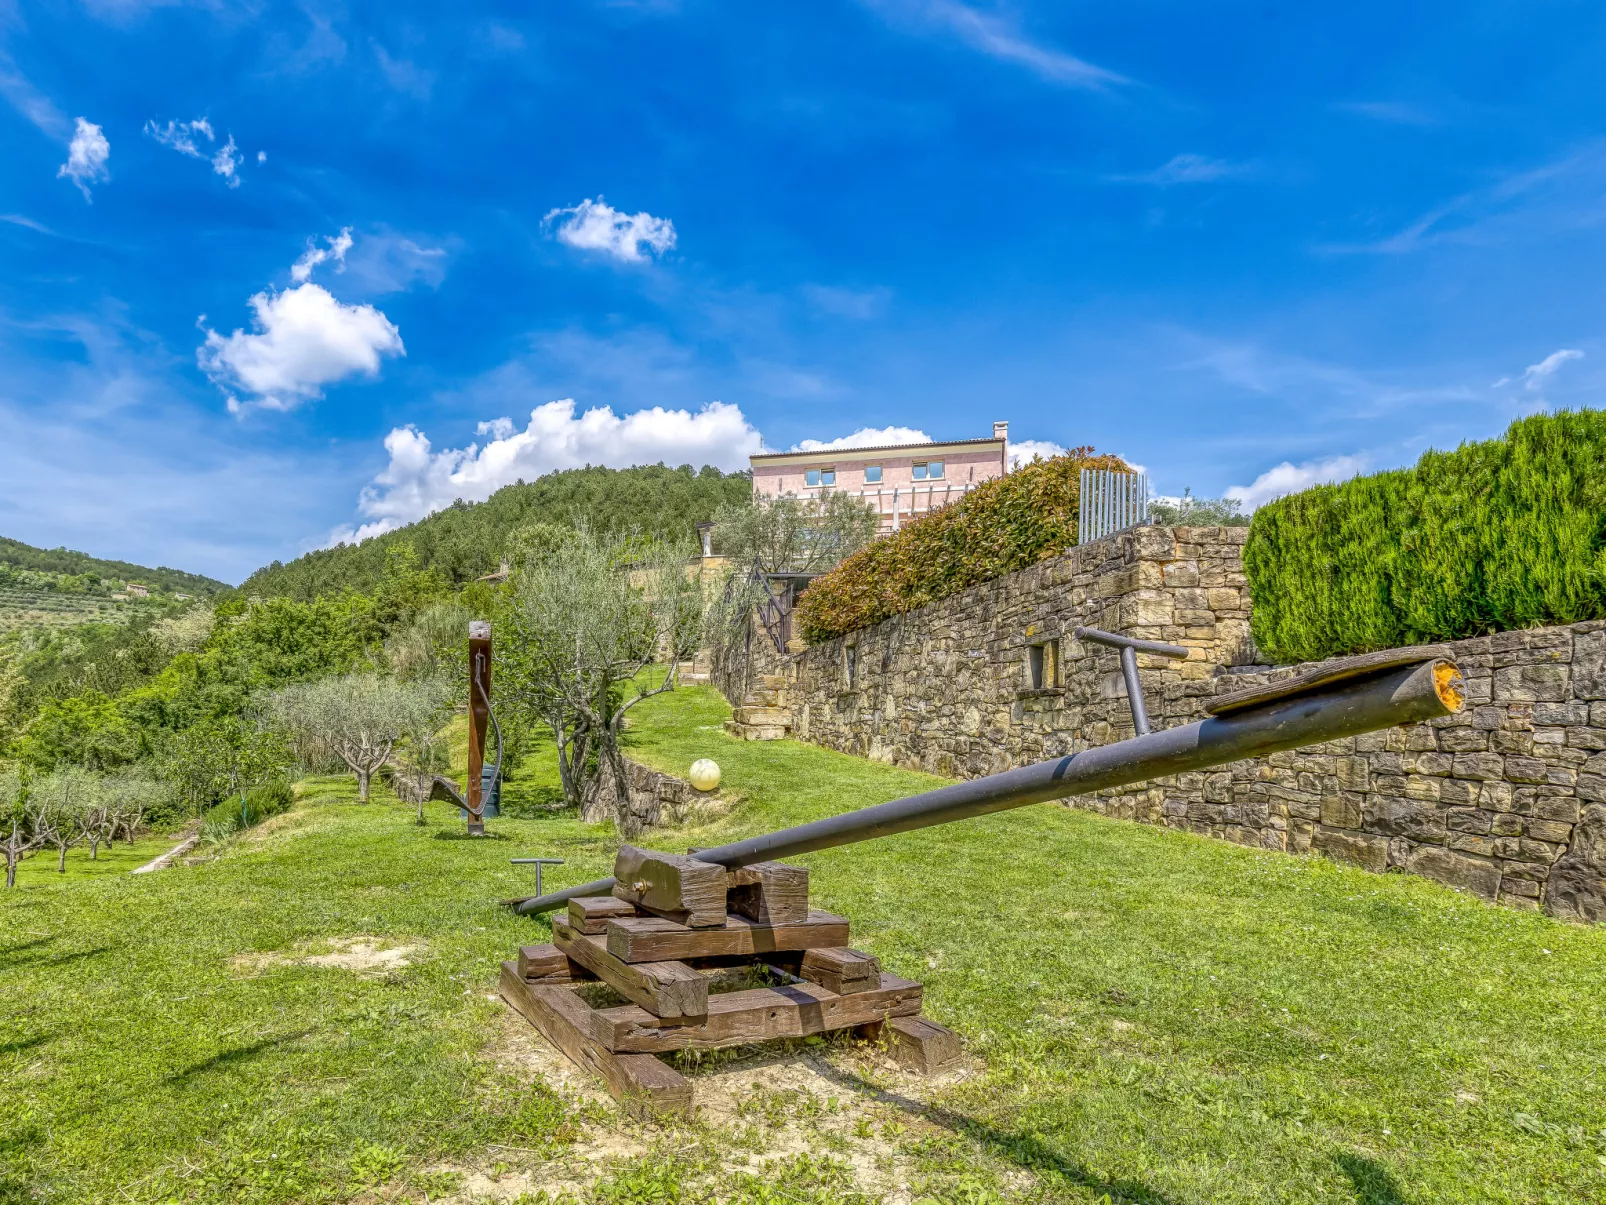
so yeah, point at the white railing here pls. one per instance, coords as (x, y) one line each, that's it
(896, 504)
(1111, 502)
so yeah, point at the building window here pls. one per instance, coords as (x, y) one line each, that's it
(1042, 666)
(872, 474)
(819, 476)
(930, 470)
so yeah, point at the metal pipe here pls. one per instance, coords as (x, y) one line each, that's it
(1134, 691)
(1403, 695)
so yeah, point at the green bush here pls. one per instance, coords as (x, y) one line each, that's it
(1001, 526)
(1491, 537)
(227, 816)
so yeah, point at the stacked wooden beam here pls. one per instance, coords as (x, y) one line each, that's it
(673, 933)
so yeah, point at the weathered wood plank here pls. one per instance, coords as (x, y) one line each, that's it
(761, 1015)
(771, 893)
(674, 886)
(669, 990)
(653, 939)
(640, 1083)
(841, 970)
(550, 963)
(591, 913)
(921, 1045)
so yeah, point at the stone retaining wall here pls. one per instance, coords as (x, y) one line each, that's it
(654, 797)
(1506, 799)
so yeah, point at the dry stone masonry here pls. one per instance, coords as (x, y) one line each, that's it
(1506, 799)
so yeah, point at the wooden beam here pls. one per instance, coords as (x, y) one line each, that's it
(760, 1015)
(591, 913)
(674, 886)
(771, 893)
(653, 939)
(917, 1043)
(841, 970)
(671, 991)
(479, 690)
(550, 963)
(640, 1083)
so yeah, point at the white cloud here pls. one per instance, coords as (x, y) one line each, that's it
(1188, 169)
(858, 304)
(304, 340)
(1289, 478)
(865, 437)
(86, 156)
(420, 480)
(1389, 111)
(1535, 375)
(598, 226)
(262, 156)
(1024, 451)
(336, 248)
(181, 136)
(995, 37)
(227, 161)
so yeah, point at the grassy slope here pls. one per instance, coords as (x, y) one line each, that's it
(1163, 1018)
(39, 868)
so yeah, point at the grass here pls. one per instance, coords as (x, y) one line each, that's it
(39, 867)
(1158, 1018)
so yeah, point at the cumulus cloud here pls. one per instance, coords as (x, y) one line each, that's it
(865, 437)
(333, 249)
(598, 226)
(182, 136)
(86, 156)
(419, 480)
(304, 340)
(1289, 478)
(1024, 451)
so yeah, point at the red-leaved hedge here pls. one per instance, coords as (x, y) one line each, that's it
(1001, 526)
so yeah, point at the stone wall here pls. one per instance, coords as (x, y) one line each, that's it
(1506, 799)
(655, 797)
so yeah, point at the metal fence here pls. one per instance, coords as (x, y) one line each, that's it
(1111, 502)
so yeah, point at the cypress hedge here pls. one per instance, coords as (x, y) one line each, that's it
(1000, 526)
(1491, 537)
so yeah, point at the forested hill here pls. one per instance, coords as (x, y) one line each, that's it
(64, 561)
(466, 540)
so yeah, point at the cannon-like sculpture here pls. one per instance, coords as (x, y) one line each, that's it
(671, 944)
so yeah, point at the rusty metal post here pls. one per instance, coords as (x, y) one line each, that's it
(479, 711)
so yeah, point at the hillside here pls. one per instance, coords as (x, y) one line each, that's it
(66, 563)
(466, 540)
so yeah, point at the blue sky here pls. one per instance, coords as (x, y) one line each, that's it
(271, 274)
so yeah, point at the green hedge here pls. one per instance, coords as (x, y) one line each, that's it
(1001, 526)
(267, 800)
(1491, 537)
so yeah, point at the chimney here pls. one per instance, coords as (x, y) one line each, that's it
(1001, 430)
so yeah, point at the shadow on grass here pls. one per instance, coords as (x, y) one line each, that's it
(462, 836)
(1024, 1150)
(225, 1059)
(18, 1045)
(54, 960)
(8, 954)
(1372, 1182)
(14, 1190)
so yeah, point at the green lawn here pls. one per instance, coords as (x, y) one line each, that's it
(39, 867)
(1157, 1018)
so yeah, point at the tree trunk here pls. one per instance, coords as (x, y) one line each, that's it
(363, 776)
(11, 869)
(61, 862)
(94, 848)
(613, 769)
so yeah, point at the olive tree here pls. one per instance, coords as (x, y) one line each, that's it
(218, 758)
(20, 835)
(585, 620)
(788, 534)
(358, 717)
(60, 803)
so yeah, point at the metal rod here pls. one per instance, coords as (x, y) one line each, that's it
(1404, 695)
(1134, 690)
(1114, 641)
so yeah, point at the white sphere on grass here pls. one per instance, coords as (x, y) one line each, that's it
(704, 774)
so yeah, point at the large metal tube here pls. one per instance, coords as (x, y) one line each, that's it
(1403, 695)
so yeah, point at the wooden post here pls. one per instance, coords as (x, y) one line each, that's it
(479, 718)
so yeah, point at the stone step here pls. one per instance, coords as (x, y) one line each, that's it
(772, 681)
(770, 716)
(765, 698)
(755, 732)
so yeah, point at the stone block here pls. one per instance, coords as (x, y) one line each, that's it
(1532, 684)
(1526, 769)
(1485, 766)
(1520, 743)
(1589, 665)
(1467, 820)
(1428, 763)
(1368, 852)
(1566, 715)
(1403, 818)
(1465, 740)
(1341, 811)
(1474, 874)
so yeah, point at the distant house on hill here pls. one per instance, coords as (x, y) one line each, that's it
(135, 590)
(902, 480)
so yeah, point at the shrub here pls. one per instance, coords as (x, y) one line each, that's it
(227, 816)
(1491, 537)
(1001, 526)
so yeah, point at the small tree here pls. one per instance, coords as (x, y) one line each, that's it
(20, 835)
(130, 796)
(60, 801)
(788, 534)
(358, 717)
(219, 758)
(97, 816)
(585, 621)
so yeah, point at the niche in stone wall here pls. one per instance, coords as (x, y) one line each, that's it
(1043, 665)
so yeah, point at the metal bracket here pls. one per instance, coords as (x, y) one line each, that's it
(538, 863)
(1130, 648)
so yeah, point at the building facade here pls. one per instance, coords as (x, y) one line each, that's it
(902, 480)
